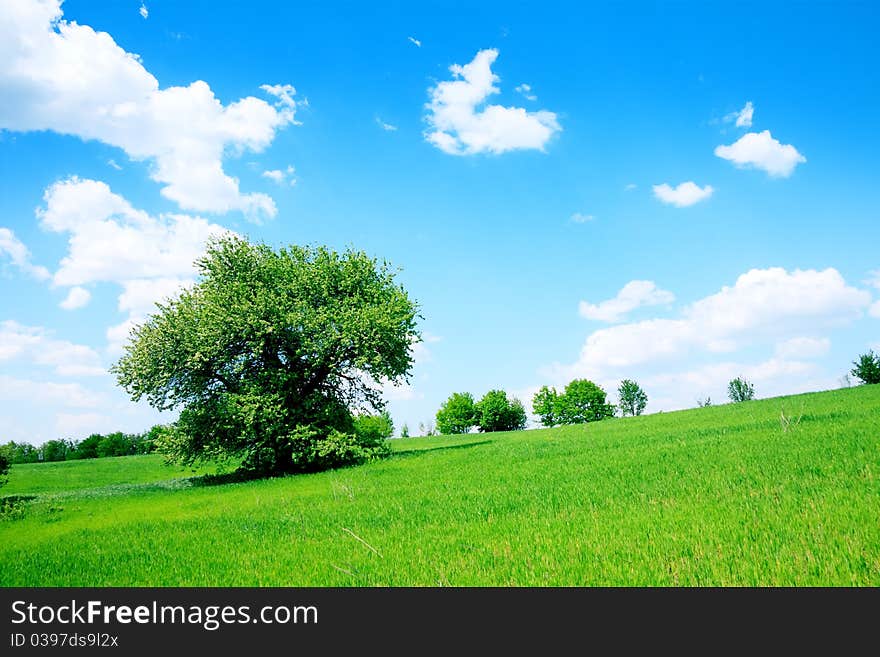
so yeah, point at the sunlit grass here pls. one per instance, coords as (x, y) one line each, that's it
(783, 491)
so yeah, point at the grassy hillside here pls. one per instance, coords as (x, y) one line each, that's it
(726, 495)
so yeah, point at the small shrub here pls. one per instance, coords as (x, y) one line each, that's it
(740, 390)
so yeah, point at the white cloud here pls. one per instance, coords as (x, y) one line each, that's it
(802, 347)
(112, 164)
(763, 304)
(634, 294)
(109, 240)
(37, 346)
(762, 151)
(387, 127)
(65, 77)
(20, 256)
(874, 279)
(457, 126)
(743, 117)
(684, 195)
(630, 187)
(526, 91)
(139, 296)
(415, 42)
(580, 218)
(80, 424)
(772, 377)
(143, 11)
(78, 297)
(71, 395)
(874, 311)
(281, 177)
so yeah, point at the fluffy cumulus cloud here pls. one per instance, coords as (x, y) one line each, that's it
(36, 346)
(685, 194)
(634, 294)
(764, 307)
(77, 297)
(65, 77)
(150, 257)
(461, 123)
(17, 253)
(761, 151)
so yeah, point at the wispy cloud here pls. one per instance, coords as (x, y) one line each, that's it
(388, 127)
(743, 117)
(414, 41)
(526, 91)
(581, 218)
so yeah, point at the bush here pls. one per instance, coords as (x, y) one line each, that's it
(583, 401)
(740, 390)
(4, 467)
(631, 399)
(867, 368)
(497, 412)
(457, 414)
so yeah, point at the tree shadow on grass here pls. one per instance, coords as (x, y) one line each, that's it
(422, 450)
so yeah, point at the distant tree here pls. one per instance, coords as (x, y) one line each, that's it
(270, 352)
(740, 390)
(87, 448)
(497, 412)
(404, 430)
(583, 401)
(631, 399)
(704, 403)
(21, 452)
(867, 368)
(115, 444)
(545, 405)
(56, 450)
(457, 414)
(4, 467)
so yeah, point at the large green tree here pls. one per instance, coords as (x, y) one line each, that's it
(4, 467)
(270, 352)
(583, 401)
(498, 412)
(457, 414)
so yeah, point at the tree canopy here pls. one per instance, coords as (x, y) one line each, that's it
(867, 368)
(631, 399)
(583, 401)
(457, 414)
(497, 412)
(270, 353)
(740, 390)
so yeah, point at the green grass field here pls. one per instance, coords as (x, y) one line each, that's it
(726, 495)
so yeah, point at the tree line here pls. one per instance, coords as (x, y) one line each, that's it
(95, 446)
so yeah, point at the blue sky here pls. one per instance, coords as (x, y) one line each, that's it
(677, 193)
